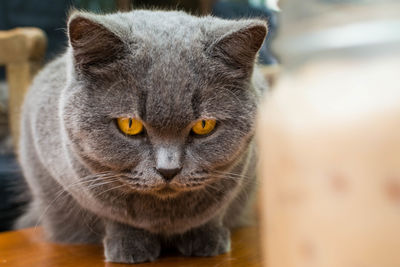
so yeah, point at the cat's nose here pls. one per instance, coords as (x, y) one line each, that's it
(168, 174)
(168, 161)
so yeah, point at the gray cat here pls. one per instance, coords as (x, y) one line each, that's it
(140, 136)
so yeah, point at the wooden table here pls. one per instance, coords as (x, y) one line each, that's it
(28, 248)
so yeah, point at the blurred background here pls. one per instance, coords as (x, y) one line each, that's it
(302, 34)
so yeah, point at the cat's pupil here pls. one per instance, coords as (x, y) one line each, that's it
(203, 123)
(130, 123)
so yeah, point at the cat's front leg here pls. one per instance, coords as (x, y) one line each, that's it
(205, 241)
(126, 244)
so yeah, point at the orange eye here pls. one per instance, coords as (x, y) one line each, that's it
(130, 126)
(203, 127)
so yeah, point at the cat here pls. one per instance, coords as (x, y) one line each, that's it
(112, 139)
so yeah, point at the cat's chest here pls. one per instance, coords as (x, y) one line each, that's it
(173, 216)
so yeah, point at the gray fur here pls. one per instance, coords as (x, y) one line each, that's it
(91, 183)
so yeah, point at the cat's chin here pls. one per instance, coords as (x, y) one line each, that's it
(167, 192)
(171, 191)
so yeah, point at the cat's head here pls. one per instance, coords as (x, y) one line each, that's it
(161, 99)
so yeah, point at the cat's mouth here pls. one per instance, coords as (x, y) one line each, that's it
(163, 189)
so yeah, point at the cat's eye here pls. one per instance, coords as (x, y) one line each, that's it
(203, 127)
(130, 126)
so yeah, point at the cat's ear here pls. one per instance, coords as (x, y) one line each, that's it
(94, 47)
(238, 48)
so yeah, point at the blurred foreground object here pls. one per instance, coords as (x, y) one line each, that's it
(21, 51)
(330, 165)
(329, 137)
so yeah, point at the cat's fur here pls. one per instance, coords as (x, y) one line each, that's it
(91, 183)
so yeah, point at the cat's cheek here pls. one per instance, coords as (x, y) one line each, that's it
(218, 151)
(110, 149)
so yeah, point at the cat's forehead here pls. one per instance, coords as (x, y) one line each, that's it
(171, 96)
(166, 112)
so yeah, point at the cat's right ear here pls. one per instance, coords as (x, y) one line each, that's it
(238, 48)
(94, 46)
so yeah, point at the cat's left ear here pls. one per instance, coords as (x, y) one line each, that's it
(238, 48)
(93, 45)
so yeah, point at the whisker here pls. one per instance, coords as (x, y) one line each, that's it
(231, 174)
(113, 188)
(112, 180)
(235, 178)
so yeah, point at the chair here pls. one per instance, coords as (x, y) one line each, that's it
(21, 51)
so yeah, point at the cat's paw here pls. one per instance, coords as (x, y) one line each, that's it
(131, 250)
(205, 241)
